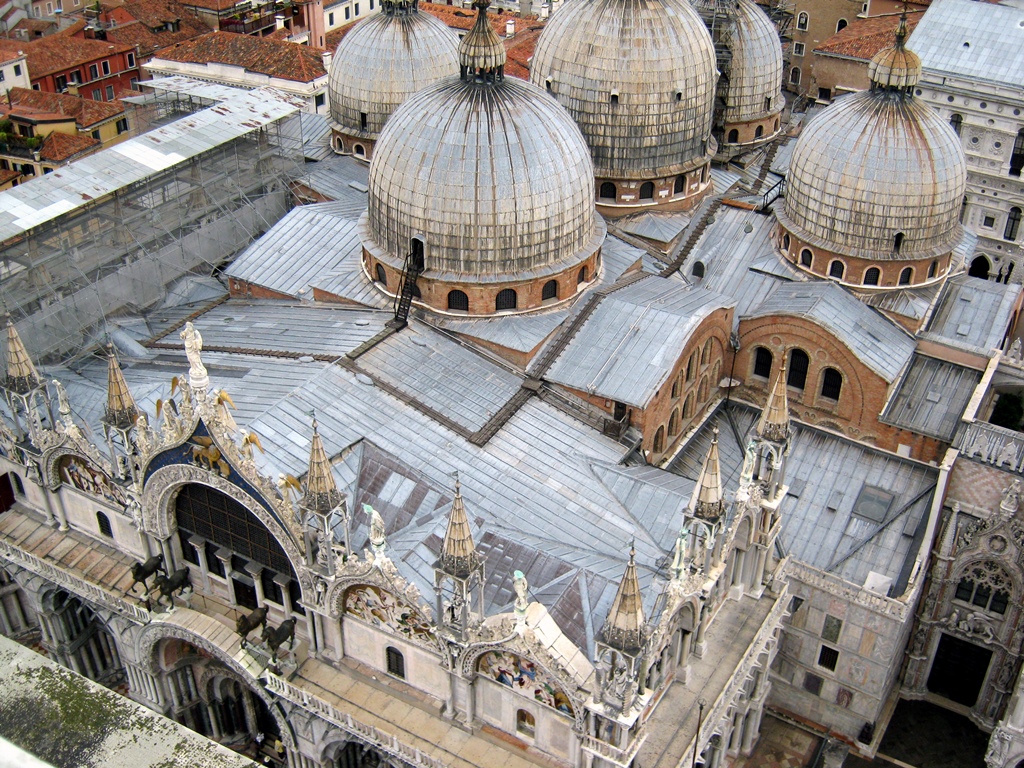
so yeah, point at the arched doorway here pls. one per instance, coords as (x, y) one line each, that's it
(75, 636)
(980, 267)
(354, 755)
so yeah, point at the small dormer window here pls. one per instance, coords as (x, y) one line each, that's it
(679, 95)
(547, 85)
(615, 97)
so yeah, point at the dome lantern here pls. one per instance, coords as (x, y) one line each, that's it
(481, 53)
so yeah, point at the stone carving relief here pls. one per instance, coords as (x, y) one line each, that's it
(382, 609)
(525, 678)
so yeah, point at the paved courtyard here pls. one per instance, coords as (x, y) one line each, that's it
(923, 735)
(781, 746)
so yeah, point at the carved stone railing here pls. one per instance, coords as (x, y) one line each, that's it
(613, 754)
(840, 587)
(997, 446)
(81, 587)
(373, 737)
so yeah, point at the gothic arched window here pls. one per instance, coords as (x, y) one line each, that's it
(985, 585)
(796, 376)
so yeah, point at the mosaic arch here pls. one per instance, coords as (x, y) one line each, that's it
(525, 678)
(382, 609)
(76, 471)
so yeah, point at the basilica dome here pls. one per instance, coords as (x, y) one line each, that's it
(875, 185)
(381, 63)
(638, 76)
(490, 181)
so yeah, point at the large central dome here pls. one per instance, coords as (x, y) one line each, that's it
(491, 179)
(638, 76)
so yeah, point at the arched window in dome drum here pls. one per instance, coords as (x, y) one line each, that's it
(659, 440)
(458, 301)
(698, 270)
(897, 242)
(506, 299)
(932, 269)
(872, 275)
(841, 25)
(759, 132)
(734, 136)
(581, 276)
(806, 257)
(794, 76)
(802, 21)
(762, 362)
(957, 122)
(382, 276)
(647, 191)
(362, 121)
(358, 149)
(836, 269)
(607, 191)
(831, 384)
(906, 275)
(785, 241)
(680, 185)
(796, 376)
(1012, 224)
(417, 247)
(549, 291)
(1017, 158)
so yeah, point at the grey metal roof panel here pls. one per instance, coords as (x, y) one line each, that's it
(974, 313)
(978, 41)
(662, 227)
(341, 179)
(931, 397)
(295, 252)
(83, 181)
(831, 539)
(878, 342)
(626, 349)
(187, 86)
(735, 260)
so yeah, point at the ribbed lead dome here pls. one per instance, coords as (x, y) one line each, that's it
(755, 72)
(490, 172)
(638, 76)
(383, 61)
(878, 174)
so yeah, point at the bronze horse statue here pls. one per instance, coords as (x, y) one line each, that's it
(275, 638)
(142, 571)
(178, 582)
(247, 624)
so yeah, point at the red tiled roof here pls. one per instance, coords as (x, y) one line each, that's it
(86, 112)
(288, 61)
(863, 38)
(335, 36)
(464, 18)
(211, 5)
(35, 25)
(150, 15)
(519, 50)
(58, 147)
(6, 176)
(59, 52)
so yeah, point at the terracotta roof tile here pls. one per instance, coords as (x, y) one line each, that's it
(86, 112)
(35, 25)
(6, 176)
(335, 36)
(520, 50)
(464, 18)
(273, 58)
(863, 38)
(58, 147)
(59, 52)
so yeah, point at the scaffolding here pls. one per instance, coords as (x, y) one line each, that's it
(66, 277)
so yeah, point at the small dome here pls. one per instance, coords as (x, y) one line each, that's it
(638, 76)
(896, 67)
(877, 175)
(383, 61)
(755, 71)
(489, 173)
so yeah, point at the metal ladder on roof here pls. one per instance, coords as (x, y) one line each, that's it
(407, 290)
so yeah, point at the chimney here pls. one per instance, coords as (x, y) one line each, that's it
(328, 56)
(525, 8)
(510, 28)
(545, 11)
(279, 22)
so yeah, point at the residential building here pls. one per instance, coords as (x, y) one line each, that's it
(262, 17)
(976, 86)
(248, 62)
(95, 69)
(840, 64)
(48, 130)
(147, 25)
(13, 71)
